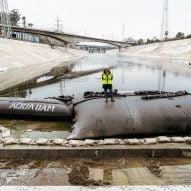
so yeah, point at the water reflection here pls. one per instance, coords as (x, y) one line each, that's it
(129, 74)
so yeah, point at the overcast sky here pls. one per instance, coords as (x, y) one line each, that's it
(142, 18)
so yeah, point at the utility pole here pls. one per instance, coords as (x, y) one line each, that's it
(5, 19)
(165, 22)
(123, 31)
(58, 24)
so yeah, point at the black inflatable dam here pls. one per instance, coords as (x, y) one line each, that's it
(46, 109)
(132, 116)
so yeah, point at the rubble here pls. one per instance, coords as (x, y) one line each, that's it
(7, 139)
(154, 167)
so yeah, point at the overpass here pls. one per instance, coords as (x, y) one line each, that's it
(67, 38)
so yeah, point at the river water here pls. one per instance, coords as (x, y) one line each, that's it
(129, 74)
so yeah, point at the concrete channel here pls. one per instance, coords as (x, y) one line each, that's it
(118, 162)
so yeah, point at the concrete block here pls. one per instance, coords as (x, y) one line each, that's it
(28, 130)
(150, 141)
(57, 141)
(25, 141)
(75, 143)
(142, 141)
(42, 141)
(101, 142)
(133, 141)
(2, 129)
(187, 139)
(109, 141)
(121, 141)
(91, 142)
(163, 139)
(6, 134)
(9, 141)
(178, 139)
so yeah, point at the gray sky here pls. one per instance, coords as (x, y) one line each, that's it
(142, 18)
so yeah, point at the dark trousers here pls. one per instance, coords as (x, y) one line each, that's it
(110, 92)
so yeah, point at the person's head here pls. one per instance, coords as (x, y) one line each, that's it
(106, 71)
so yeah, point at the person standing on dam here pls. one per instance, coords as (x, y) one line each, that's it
(107, 78)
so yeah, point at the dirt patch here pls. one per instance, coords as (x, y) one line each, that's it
(79, 175)
(154, 168)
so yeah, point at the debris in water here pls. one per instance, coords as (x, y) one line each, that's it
(80, 176)
(154, 168)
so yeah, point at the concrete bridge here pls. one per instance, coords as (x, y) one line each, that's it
(67, 38)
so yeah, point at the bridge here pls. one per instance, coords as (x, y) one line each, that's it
(67, 38)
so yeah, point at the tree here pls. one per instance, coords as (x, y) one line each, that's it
(140, 41)
(30, 25)
(24, 21)
(15, 17)
(179, 35)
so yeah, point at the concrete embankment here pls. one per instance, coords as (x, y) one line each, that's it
(25, 60)
(179, 49)
(172, 56)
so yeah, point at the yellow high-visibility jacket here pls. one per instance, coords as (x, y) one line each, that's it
(107, 79)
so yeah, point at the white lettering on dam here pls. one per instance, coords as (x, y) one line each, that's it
(32, 107)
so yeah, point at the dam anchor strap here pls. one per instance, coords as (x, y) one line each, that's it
(165, 95)
(91, 94)
(66, 99)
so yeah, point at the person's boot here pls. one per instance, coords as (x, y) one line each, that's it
(106, 101)
(112, 100)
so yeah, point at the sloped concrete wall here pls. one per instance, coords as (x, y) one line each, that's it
(21, 61)
(179, 49)
(17, 54)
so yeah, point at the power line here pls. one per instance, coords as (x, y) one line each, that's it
(58, 21)
(58, 24)
(165, 22)
(47, 8)
(5, 19)
(29, 6)
(42, 8)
